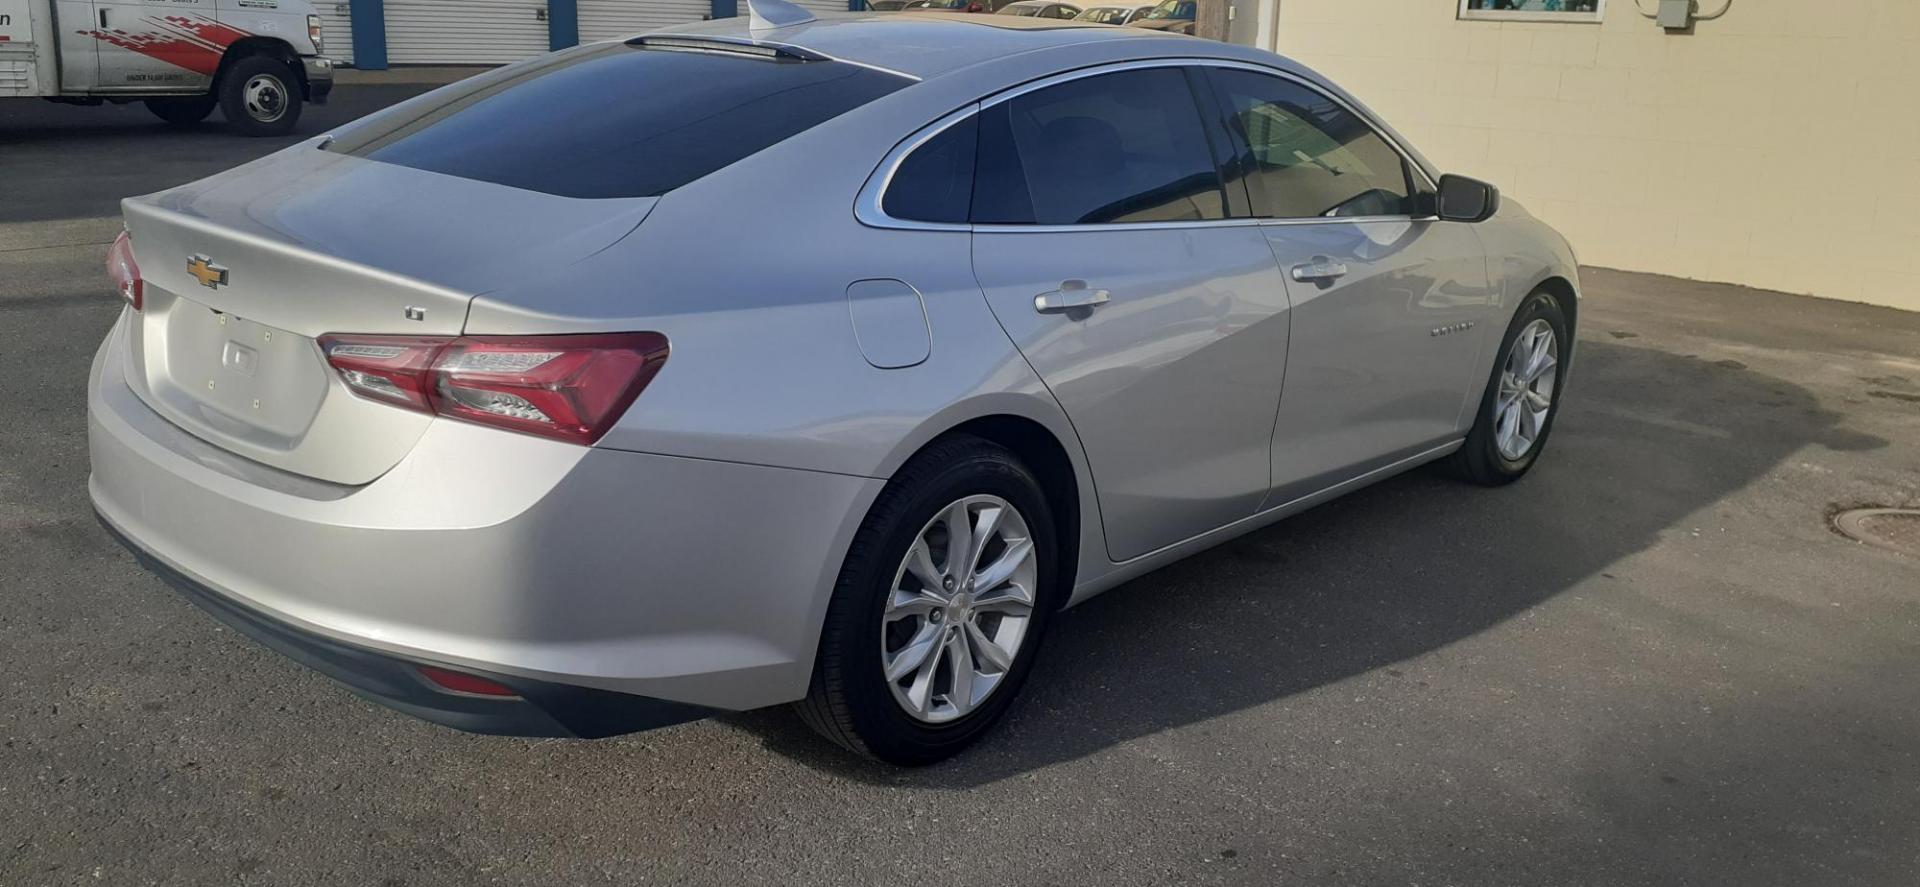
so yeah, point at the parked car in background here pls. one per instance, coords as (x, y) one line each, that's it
(957, 5)
(1113, 15)
(258, 61)
(529, 412)
(1172, 16)
(1041, 9)
(886, 5)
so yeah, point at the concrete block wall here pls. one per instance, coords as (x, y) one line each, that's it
(1776, 147)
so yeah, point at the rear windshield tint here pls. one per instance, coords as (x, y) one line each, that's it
(619, 120)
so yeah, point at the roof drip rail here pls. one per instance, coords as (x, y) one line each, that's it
(765, 15)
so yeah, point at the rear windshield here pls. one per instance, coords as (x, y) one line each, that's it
(619, 120)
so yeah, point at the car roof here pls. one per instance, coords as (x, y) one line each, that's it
(926, 44)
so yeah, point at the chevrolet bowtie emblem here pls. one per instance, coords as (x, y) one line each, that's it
(204, 270)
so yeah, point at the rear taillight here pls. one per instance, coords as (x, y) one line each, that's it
(461, 682)
(568, 387)
(124, 272)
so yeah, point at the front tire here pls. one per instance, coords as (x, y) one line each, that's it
(182, 110)
(940, 607)
(260, 96)
(1522, 398)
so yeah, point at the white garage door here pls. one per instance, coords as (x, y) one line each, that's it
(336, 24)
(465, 32)
(607, 19)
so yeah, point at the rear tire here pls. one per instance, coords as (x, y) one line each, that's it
(868, 629)
(182, 110)
(260, 96)
(1499, 450)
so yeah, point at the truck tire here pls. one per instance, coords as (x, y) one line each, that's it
(260, 96)
(182, 110)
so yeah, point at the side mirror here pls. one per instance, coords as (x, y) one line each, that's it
(1467, 200)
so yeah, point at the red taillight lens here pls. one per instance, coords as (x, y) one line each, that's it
(568, 387)
(461, 682)
(124, 272)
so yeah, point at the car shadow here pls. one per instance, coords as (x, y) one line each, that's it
(1411, 565)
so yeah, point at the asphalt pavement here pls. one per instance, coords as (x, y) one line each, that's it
(1650, 662)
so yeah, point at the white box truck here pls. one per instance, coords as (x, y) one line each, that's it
(257, 60)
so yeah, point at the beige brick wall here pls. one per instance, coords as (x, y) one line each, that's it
(1777, 147)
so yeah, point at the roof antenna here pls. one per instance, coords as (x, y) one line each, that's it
(766, 14)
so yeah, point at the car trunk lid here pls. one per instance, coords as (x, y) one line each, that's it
(245, 271)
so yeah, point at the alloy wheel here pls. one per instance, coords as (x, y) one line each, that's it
(959, 608)
(1527, 387)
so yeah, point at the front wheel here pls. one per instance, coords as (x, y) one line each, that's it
(182, 110)
(260, 96)
(1522, 398)
(939, 610)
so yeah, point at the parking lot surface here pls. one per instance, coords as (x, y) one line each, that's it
(1652, 661)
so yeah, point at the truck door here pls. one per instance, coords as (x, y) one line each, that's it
(79, 54)
(157, 45)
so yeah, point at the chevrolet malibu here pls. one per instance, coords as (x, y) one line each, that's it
(824, 366)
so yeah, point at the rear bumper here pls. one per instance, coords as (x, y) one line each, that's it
(541, 565)
(542, 708)
(319, 76)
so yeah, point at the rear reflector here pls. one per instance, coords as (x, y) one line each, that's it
(460, 682)
(572, 388)
(123, 271)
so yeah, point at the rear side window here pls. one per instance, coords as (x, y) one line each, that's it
(935, 182)
(1120, 147)
(1311, 157)
(620, 120)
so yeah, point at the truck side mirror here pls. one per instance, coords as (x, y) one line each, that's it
(1467, 200)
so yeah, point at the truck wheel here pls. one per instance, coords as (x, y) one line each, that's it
(182, 110)
(260, 96)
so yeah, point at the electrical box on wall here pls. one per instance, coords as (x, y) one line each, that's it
(1676, 14)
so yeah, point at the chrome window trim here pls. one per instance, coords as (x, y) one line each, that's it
(868, 206)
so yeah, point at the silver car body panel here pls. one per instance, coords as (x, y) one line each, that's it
(775, 420)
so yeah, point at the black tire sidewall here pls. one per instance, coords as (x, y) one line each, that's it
(1538, 305)
(888, 731)
(182, 110)
(233, 100)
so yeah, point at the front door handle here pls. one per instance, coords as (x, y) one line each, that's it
(1071, 294)
(1320, 270)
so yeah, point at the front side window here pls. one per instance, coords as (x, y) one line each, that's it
(1122, 147)
(1310, 156)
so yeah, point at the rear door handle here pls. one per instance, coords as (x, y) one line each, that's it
(1071, 294)
(1320, 270)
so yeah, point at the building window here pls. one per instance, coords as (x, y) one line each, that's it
(1533, 10)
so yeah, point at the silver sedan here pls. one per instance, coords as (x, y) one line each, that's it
(791, 361)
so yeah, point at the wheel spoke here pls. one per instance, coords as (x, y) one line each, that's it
(1546, 362)
(920, 564)
(902, 604)
(960, 541)
(985, 525)
(916, 655)
(960, 663)
(996, 574)
(1012, 600)
(1538, 402)
(987, 651)
(920, 694)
